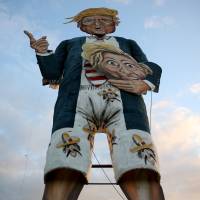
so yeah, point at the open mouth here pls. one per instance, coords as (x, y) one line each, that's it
(99, 31)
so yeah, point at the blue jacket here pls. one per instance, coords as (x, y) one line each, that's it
(64, 67)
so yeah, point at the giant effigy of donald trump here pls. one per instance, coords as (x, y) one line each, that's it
(101, 80)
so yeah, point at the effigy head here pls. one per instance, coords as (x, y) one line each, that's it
(114, 62)
(96, 21)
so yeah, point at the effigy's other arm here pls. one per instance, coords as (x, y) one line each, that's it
(133, 86)
(155, 77)
(141, 58)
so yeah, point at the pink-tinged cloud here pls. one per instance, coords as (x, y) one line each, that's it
(162, 104)
(195, 88)
(176, 134)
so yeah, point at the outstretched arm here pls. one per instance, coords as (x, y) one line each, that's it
(51, 64)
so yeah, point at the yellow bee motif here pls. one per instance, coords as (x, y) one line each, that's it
(110, 95)
(70, 145)
(145, 151)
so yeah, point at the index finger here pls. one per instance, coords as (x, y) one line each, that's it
(118, 81)
(30, 35)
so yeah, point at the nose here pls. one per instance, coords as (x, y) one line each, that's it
(121, 68)
(97, 23)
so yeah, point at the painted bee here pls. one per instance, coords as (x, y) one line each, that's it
(70, 145)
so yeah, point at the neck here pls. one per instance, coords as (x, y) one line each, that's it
(100, 37)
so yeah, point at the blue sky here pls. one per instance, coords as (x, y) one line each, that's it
(168, 32)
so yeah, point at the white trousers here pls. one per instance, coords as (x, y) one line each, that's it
(100, 110)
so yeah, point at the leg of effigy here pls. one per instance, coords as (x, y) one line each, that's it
(141, 185)
(63, 184)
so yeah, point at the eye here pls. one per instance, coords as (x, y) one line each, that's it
(87, 21)
(107, 21)
(129, 65)
(112, 62)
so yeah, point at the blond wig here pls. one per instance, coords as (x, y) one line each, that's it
(94, 11)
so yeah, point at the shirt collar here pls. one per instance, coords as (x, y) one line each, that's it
(94, 37)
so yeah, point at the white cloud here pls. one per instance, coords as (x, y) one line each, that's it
(180, 129)
(176, 134)
(195, 88)
(162, 104)
(158, 22)
(159, 2)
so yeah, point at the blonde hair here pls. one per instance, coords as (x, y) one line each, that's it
(94, 11)
(93, 52)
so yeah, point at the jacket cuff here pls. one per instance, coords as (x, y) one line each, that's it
(50, 82)
(49, 52)
(151, 85)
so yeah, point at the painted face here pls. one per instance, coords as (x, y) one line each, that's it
(97, 25)
(121, 66)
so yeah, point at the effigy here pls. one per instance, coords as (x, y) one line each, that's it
(101, 80)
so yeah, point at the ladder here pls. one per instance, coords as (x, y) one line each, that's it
(102, 167)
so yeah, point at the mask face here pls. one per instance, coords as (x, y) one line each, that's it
(97, 25)
(121, 67)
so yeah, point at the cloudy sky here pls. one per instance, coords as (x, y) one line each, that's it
(168, 32)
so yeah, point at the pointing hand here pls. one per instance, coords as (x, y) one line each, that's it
(40, 45)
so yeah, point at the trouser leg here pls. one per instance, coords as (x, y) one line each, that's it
(135, 163)
(67, 165)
